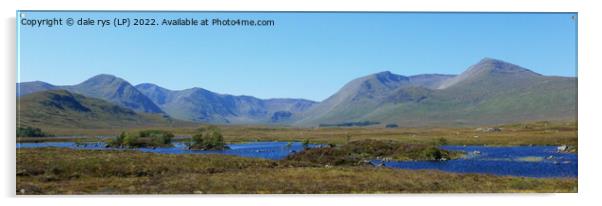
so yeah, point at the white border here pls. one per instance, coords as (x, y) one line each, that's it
(589, 95)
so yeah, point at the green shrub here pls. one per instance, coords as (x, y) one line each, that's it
(31, 132)
(118, 141)
(433, 153)
(146, 138)
(162, 137)
(209, 138)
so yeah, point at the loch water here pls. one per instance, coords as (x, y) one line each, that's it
(525, 161)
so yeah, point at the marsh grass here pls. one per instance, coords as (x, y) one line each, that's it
(66, 171)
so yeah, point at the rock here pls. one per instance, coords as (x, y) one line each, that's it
(21, 172)
(380, 164)
(494, 129)
(29, 189)
(490, 129)
(562, 148)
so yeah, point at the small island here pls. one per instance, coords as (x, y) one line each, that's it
(208, 138)
(144, 139)
(361, 152)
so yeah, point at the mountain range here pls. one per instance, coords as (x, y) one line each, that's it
(489, 92)
(201, 105)
(195, 104)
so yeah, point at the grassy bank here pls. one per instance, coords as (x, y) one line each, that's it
(66, 171)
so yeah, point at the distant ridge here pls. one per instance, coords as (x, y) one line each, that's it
(197, 104)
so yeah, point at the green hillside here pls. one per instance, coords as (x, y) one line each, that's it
(63, 109)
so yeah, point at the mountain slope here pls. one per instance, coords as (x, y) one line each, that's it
(116, 90)
(64, 109)
(363, 95)
(489, 69)
(197, 104)
(489, 92)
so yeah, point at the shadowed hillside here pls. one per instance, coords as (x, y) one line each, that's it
(103, 86)
(63, 109)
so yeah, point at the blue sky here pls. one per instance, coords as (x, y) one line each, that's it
(305, 55)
